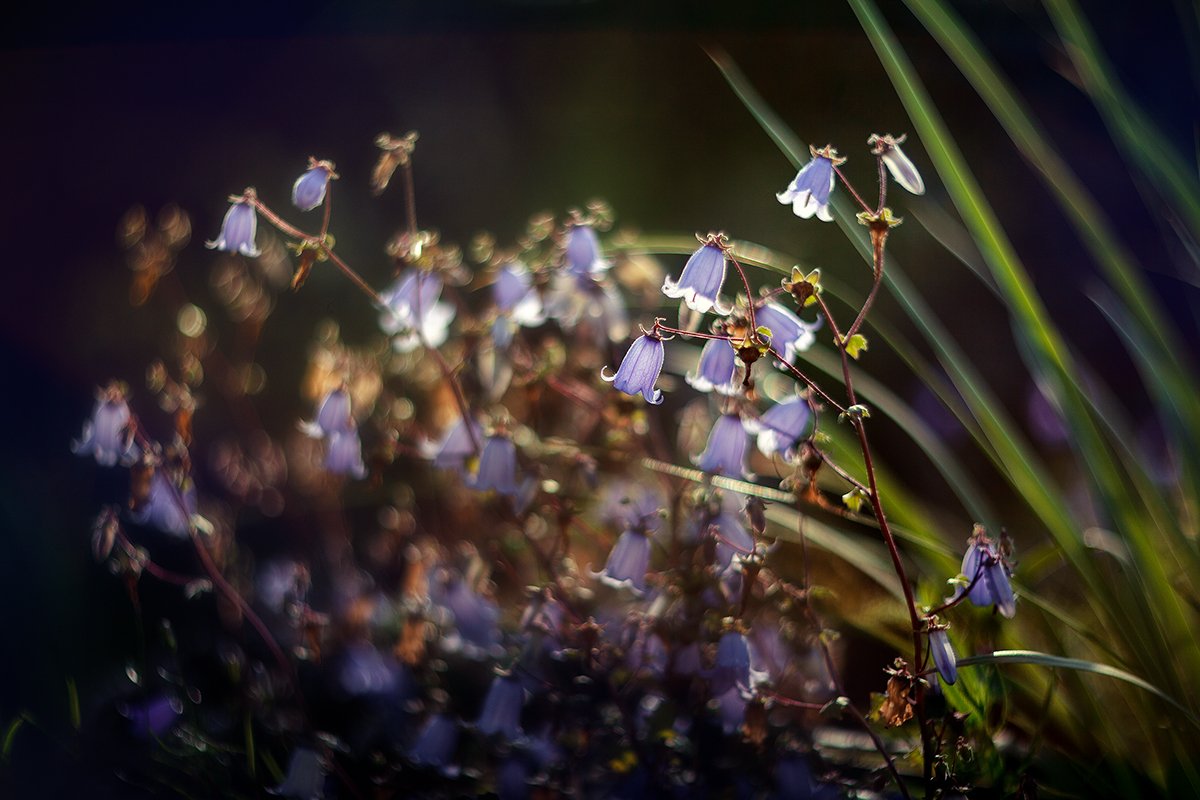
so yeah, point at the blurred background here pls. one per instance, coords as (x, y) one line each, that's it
(521, 107)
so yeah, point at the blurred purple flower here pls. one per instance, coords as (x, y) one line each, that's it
(436, 744)
(308, 191)
(153, 718)
(789, 333)
(343, 455)
(986, 576)
(702, 277)
(476, 619)
(725, 453)
(456, 446)
(640, 368)
(498, 467)
(733, 538)
(632, 506)
(364, 671)
(305, 779)
(648, 652)
(628, 561)
(238, 228)
(716, 369)
(107, 435)
(731, 668)
(730, 705)
(332, 417)
(943, 654)
(501, 712)
(413, 315)
(516, 296)
(583, 251)
(781, 427)
(809, 191)
(167, 507)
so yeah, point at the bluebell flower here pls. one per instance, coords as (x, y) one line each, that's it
(734, 539)
(628, 561)
(788, 331)
(985, 576)
(516, 295)
(107, 435)
(333, 415)
(731, 668)
(457, 446)
(640, 368)
(944, 657)
(808, 193)
(343, 454)
(781, 428)
(725, 453)
(633, 506)
(648, 652)
(153, 718)
(730, 706)
(413, 315)
(167, 507)
(716, 370)
(702, 277)
(364, 671)
(476, 619)
(436, 744)
(501, 714)
(687, 660)
(583, 251)
(305, 779)
(308, 191)
(238, 228)
(903, 172)
(498, 467)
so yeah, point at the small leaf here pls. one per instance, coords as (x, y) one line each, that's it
(856, 345)
(854, 499)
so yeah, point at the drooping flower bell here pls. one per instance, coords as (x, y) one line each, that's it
(716, 370)
(436, 744)
(987, 582)
(788, 331)
(498, 467)
(732, 538)
(640, 368)
(944, 657)
(808, 193)
(333, 416)
(628, 561)
(305, 779)
(413, 315)
(456, 446)
(781, 427)
(583, 251)
(343, 454)
(515, 294)
(903, 172)
(238, 228)
(501, 714)
(732, 665)
(725, 453)
(700, 282)
(308, 191)
(107, 436)
(167, 507)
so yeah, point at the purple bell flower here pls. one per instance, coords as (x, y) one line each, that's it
(986, 575)
(343, 455)
(238, 228)
(308, 191)
(808, 193)
(476, 619)
(333, 416)
(364, 671)
(702, 277)
(731, 668)
(787, 330)
(153, 718)
(716, 370)
(725, 453)
(640, 368)
(730, 706)
(781, 427)
(583, 251)
(516, 296)
(413, 314)
(501, 712)
(628, 561)
(436, 744)
(734, 539)
(305, 779)
(167, 508)
(944, 657)
(632, 506)
(903, 172)
(498, 467)
(107, 436)
(456, 446)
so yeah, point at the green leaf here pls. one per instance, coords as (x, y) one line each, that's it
(856, 344)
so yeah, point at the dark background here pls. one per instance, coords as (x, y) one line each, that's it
(521, 107)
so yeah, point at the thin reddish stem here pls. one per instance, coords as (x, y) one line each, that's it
(857, 198)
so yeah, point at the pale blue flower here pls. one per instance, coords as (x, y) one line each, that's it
(308, 191)
(436, 744)
(986, 576)
(640, 368)
(167, 507)
(725, 453)
(903, 172)
(781, 428)
(413, 315)
(238, 228)
(343, 454)
(583, 251)
(498, 467)
(107, 435)
(628, 561)
(943, 654)
(702, 277)
(501, 714)
(788, 331)
(716, 369)
(305, 779)
(808, 193)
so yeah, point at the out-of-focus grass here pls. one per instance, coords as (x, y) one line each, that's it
(1131, 616)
